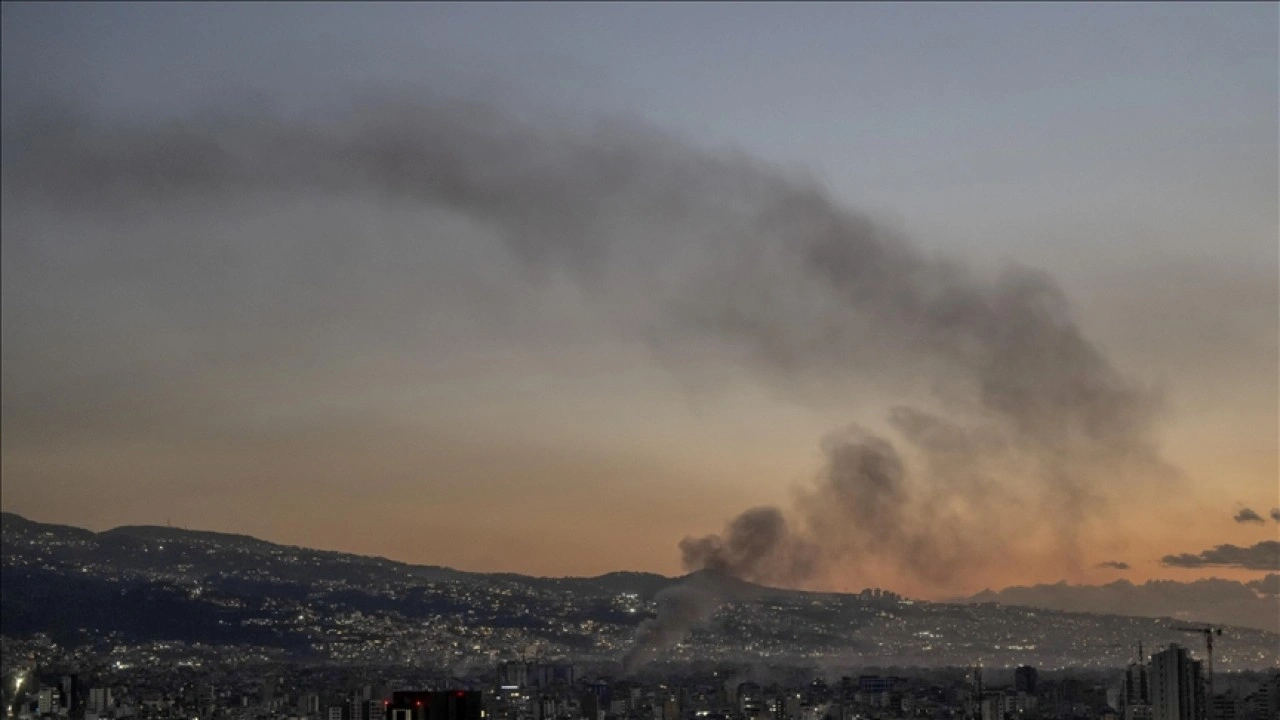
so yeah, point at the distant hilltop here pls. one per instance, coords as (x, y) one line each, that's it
(139, 584)
(1252, 604)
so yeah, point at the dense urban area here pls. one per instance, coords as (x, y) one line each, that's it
(154, 622)
(176, 681)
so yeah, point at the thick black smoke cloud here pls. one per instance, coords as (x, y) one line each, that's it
(757, 545)
(1247, 515)
(1262, 556)
(680, 607)
(1010, 400)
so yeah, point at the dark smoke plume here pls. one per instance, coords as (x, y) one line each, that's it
(680, 608)
(756, 545)
(1247, 515)
(691, 247)
(1114, 565)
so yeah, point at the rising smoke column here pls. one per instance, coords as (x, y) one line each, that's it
(693, 247)
(680, 607)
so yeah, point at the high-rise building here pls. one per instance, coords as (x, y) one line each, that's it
(48, 701)
(100, 700)
(269, 692)
(671, 707)
(539, 674)
(69, 686)
(206, 698)
(1261, 704)
(1177, 692)
(1025, 679)
(1137, 690)
(750, 698)
(515, 673)
(1018, 704)
(992, 706)
(358, 708)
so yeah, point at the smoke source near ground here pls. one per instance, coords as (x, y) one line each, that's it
(1025, 432)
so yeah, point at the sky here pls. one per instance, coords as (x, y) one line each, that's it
(231, 303)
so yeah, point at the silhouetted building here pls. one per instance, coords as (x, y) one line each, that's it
(1024, 680)
(69, 687)
(100, 700)
(360, 708)
(1263, 703)
(1019, 704)
(309, 704)
(440, 705)
(1137, 689)
(515, 673)
(992, 706)
(750, 698)
(1177, 692)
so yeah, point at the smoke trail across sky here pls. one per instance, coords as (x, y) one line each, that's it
(696, 249)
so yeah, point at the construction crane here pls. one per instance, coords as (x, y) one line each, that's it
(1208, 631)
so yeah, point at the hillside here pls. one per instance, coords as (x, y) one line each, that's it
(133, 585)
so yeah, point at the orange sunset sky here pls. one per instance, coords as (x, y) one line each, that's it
(553, 385)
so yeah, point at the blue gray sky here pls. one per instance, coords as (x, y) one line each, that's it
(317, 392)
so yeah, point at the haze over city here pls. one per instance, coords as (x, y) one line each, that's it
(934, 298)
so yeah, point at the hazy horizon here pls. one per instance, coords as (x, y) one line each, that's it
(676, 575)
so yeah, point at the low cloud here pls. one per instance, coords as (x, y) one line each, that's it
(1275, 514)
(1114, 565)
(1213, 600)
(1247, 515)
(1262, 556)
(1269, 585)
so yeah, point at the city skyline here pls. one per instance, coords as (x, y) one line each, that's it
(224, 309)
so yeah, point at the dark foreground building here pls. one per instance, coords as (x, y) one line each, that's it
(438, 705)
